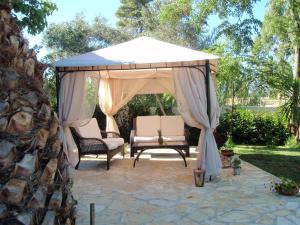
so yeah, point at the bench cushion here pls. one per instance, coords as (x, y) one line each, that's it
(145, 139)
(174, 138)
(89, 130)
(119, 141)
(147, 125)
(172, 126)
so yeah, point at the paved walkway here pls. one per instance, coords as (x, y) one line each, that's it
(161, 191)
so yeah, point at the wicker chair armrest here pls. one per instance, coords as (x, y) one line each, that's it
(105, 134)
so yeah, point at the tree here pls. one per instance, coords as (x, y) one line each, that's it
(280, 33)
(29, 129)
(151, 22)
(30, 13)
(279, 42)
(237, 21)
(130, 15)
(79, 36)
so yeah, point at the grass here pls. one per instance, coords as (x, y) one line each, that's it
(279, 161)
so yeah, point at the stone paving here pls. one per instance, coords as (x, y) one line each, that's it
(160, 190)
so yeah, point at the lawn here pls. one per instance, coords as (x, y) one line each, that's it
(280, 161)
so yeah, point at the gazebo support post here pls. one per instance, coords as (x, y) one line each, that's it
(57, 84)
(207, 84)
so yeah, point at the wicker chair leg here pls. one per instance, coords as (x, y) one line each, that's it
(123, 151)
(77, 165)
(107, 161)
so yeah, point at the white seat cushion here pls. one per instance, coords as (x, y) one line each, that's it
(89, 130)
(145, 139)
(147, 125)
(174, 138)
(172, 126)
(119, 141)
(111, 144)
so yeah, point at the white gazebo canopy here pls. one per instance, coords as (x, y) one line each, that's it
(144, 65)
(139, 53)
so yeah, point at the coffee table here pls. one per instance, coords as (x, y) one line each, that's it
(178, 146)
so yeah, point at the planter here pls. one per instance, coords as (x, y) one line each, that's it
(227, 152)
(199, 176)
(226, 161)
(237, 171)
(291, 192)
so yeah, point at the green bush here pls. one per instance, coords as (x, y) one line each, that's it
(291, 142)
(247, 127)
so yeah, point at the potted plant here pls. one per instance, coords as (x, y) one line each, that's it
(285, 186)
(226, 151)
(236, 165)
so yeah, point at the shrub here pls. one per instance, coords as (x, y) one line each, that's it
(247, 127)
(291, 142)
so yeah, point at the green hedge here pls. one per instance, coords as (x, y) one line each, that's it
(254, 128)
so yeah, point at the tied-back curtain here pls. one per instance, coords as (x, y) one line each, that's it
(115, 93)
(118, 87)
(191, 98)
(78, 98)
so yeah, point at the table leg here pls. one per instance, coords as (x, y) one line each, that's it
(182, 155)
(187, 152)
(138, 155)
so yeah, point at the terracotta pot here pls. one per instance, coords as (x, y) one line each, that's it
(227, 153)
(295, 191)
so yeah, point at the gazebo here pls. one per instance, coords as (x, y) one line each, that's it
(144, 65)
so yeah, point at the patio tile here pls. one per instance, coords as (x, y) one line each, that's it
(162, 192)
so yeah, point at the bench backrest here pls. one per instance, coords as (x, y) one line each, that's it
(169, 125)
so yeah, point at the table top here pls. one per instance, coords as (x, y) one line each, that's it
(156, 144)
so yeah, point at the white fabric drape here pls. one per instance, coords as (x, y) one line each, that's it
(192, 105)
(113, 94)
(118, 87)
(78, 98)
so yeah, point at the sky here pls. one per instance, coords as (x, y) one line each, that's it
(67, 9)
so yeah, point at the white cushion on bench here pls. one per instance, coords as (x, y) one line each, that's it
(118, 141)
(145, 139)
(172, 126)
(147, 125)
(174, 138)
(89, 130)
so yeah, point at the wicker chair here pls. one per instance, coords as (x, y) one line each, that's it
(97, 144)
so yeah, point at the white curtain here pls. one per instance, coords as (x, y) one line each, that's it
(77, 101)
(192, 105)
(117, 88)
(113, 94)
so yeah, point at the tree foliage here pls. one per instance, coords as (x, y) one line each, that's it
(237, 22)
(31, 13)
(79, 36)
(277, 51)
(130, 15)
